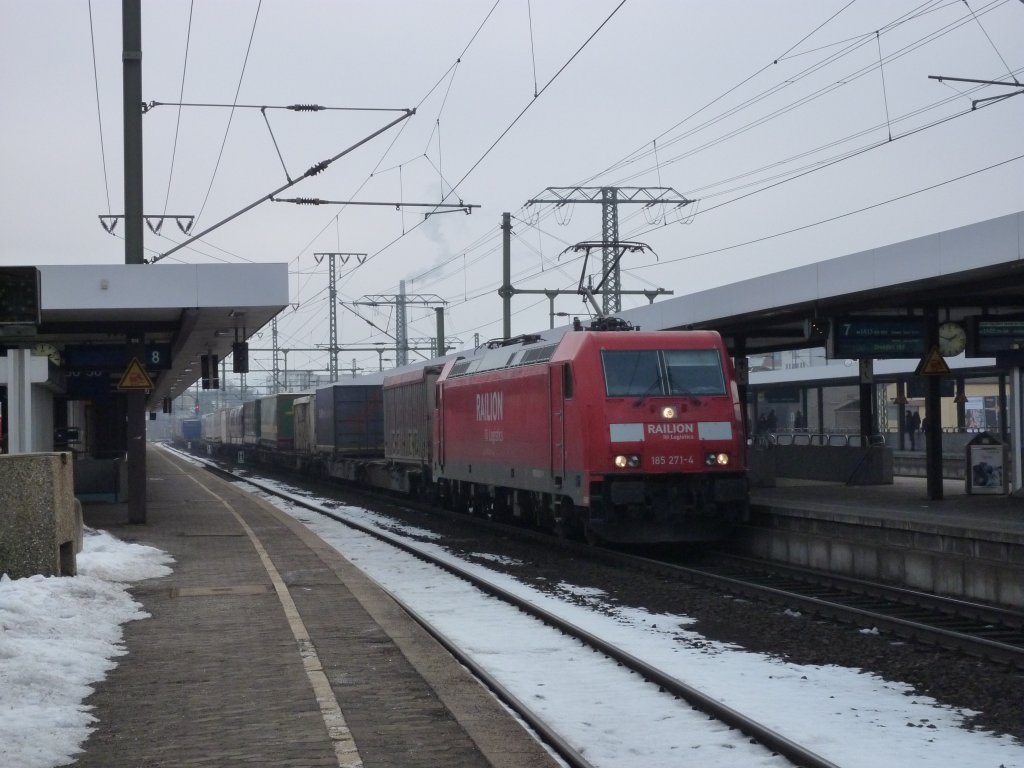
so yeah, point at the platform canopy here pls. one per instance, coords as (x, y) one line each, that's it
(186, 310)
(960, 273)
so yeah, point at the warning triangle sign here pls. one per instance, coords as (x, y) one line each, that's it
(135, 377)
(932, 364)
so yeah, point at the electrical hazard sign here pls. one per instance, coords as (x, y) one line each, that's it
(135, 377)
(933, 364)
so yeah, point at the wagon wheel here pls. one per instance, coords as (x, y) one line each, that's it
(500, 508)
(568, 521)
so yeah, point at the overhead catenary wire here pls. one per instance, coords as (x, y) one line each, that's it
(402, 129)
(860, 39)
(991, 42)
(508, 128)
(312, 171)
(921, 10)
(487, 291)
(846, 214)
(963, 19)
(533, 52)
(844, 80)
(181, 96)
(720, 97)
(550, 81)
(881, 73)
(846, 156)
(269, 107)
(547, 85)
(99, 112)
(659, 165)
(227, 128)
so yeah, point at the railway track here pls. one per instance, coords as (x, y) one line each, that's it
(667, 684)
(974, 628)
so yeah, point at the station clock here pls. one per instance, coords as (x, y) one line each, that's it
(952, 339)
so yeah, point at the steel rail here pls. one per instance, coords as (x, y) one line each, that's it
(767, 737)
(835, 609)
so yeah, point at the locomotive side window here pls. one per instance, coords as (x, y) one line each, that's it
(632, 373)
(566, 381)
(694, 372)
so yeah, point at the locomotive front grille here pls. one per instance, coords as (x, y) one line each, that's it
(628, 492)
(730, 489)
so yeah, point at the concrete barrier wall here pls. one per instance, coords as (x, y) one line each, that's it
(908, 464)
(973, 565)
(841, 464)
(40, 520)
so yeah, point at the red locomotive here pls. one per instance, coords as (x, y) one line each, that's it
(625, 436)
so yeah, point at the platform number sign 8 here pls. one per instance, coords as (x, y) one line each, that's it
(158, 357)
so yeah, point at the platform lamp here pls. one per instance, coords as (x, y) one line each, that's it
(240, 357)
(210, 373)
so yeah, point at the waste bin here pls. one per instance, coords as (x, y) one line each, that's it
(986, 466)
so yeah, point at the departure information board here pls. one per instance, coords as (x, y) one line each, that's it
(878, 337)
(19, 296)
(992, 337)
(115, 357)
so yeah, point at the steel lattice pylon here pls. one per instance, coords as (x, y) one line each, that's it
(400, 302)
(333, 302)
(611, 299)
(610, 199)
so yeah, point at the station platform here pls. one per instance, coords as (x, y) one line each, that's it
(266, 647)
(906, 500)
(964, 545)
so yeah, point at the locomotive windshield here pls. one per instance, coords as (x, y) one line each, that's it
(651, 372)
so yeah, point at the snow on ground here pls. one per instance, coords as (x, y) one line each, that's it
(853, 718)
(58, 636)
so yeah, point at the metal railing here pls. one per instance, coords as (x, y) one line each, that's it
(765, 440)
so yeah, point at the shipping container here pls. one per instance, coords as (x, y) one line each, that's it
(188, 430)
(409, 415)
(251, 422)
(305, 424)
(350, 420)
(277, 425)
(234, 425)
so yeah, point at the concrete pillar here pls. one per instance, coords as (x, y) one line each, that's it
(40, 521)
(19, 400)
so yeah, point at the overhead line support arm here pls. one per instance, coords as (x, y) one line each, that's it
(313, 171)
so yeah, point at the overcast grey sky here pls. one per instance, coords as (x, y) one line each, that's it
(725, 102)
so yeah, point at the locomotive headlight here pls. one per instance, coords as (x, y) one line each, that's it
(668, 412)
(716, 459)
(632, 461)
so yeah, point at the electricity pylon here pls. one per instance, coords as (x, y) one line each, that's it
(610, 198)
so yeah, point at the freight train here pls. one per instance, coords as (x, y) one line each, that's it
(614, 435)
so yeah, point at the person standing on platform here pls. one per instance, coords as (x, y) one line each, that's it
(915, 423)
(908, 429)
